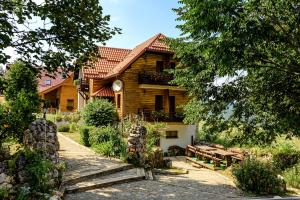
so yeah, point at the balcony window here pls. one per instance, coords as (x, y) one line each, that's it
(159, 103)
(172, 104)
(159, 66)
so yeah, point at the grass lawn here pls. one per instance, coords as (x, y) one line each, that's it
(74, 136)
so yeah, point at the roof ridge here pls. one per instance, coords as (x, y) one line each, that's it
(114, 48)
(156, 37)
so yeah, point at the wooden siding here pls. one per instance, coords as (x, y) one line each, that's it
(135, 97)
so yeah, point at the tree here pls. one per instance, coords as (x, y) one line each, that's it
(22, 98)
(240, 62)
(53, 33)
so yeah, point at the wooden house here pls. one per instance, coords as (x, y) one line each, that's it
(137, 82)
(59, 92)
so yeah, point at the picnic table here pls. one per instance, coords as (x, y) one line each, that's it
(227, 154)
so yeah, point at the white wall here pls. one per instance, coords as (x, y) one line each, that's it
(185, 132)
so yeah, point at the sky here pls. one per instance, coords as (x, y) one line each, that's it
(140, 20)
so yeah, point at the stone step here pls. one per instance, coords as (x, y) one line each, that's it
(105, 181)
(90, 173)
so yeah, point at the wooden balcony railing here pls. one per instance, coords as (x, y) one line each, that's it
(160, 116)
(155, 78)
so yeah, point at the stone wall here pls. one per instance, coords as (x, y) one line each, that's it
(42, 136)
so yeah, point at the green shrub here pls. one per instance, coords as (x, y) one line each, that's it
(63, 128)
(285, 155)
(102, 137)
(104, 148)
(73, 127)
(99, 112)
(39, 168)
(59, 117)
(292, 176)
(85, 135)
(67, 118)
(257, 177)
(75, 117)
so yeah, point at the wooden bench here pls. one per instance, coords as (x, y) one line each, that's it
(207, 156)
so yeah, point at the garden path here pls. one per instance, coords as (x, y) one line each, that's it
(198, 184)
(78, 157)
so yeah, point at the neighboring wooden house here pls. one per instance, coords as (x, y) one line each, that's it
(59, 92)
(137, 82)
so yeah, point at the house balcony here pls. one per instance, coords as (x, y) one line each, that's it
(160, 116)
(83, 85)
(154, 78)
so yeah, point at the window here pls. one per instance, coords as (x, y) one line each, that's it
(70, 104)
(119, 101)
(159, 103)
(172, 104)
(171, 134)
(159, 66)
(47, 82)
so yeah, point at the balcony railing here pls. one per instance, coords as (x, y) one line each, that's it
(155, 78)
(160, 116)
(83, 85)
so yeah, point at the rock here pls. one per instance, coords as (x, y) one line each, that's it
(55, 197)
(42, 136)
(2, 178)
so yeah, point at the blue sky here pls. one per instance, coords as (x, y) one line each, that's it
(140, 20)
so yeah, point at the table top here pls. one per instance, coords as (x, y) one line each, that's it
(224, 153)
(205, 147)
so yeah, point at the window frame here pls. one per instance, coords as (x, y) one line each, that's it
(175, 136)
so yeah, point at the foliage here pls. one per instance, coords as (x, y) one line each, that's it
(257, 177)
(39, 168)
(239, 61)
(285, 155)
(292, 176)
(39, 172)
(4, 193)
(59, 117)
(99, 112)
(68, 30)
(75, 117)
(73, 127)
(22, 99)
(154, 132)
(85, 135)
(63, 128)
(107, 136)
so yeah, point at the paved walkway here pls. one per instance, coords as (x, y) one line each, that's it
(198, 184)
(80, 158)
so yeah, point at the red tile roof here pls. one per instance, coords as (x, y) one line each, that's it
(55, 80)
(110, 57)
(104, 92)
(114, 61)
(153, 44)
